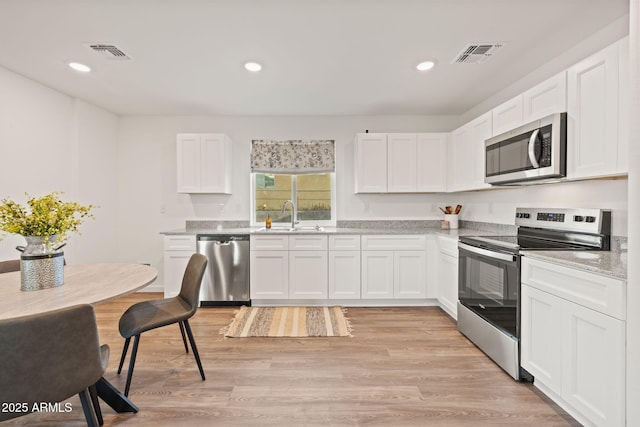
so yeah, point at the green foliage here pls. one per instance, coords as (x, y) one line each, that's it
(45, 216)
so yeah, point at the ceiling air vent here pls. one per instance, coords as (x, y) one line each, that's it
(109, 51)
(476, 53)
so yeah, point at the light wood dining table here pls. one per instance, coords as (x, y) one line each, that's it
(83, 284)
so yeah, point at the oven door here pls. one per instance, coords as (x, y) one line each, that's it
(489, 285)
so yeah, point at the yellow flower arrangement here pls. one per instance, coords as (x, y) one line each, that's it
(45, 216)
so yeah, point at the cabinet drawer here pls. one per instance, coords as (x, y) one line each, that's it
(603, 294)
(344, 243)
(308, 242)
(448, 245)
(269, 243)
(393, 242)
(180, 243)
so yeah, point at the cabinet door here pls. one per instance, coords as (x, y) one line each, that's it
(401, 162)
(188, 166)
(371, 163)
(214, 173)
(507, 116)
(175, 263)
(377, 274)
(594, 365)
(449, 284)
(409, 274)
(624, 104)
(269, 274)
(432, 162)
(308, 275)
(541, 339)
(466, 167)
(344, 274)
(546, 98)
(593, 115)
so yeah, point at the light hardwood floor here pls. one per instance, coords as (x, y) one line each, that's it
(403, 367)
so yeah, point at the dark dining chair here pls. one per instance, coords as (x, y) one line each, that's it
(147, 315)
(49, 357)
(9, 266)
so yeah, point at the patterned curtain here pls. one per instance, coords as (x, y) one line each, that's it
(293, 156)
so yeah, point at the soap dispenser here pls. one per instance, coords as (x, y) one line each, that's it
(267, 222)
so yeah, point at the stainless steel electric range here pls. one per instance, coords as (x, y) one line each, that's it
(489, 275)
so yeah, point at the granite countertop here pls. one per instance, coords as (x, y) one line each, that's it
(607, 263)
(455, 233)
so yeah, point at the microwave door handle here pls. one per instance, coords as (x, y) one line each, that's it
(532, 149)
(487, 253)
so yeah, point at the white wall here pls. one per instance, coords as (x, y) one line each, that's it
(499, 205)
(52, 142)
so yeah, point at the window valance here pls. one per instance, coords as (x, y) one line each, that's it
(292, 156)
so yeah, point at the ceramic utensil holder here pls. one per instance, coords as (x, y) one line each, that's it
(453, 220)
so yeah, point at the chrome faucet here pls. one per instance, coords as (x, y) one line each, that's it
(293, 212)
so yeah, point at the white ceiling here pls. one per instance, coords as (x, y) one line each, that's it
(336, 57)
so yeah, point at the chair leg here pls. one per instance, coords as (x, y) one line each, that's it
(194, 348)
(93, 391)
(184, 339)
(132, 363)
(124, 354)
(87, 407)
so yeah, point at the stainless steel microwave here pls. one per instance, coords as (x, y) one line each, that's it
(528, 154)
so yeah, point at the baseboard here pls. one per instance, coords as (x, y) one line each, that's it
(153, 288)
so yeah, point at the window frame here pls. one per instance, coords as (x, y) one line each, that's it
(323, 223)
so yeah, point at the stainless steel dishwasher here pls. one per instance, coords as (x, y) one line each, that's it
(226, 280)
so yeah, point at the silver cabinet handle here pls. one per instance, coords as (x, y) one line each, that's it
(487, 253)
(532, 147)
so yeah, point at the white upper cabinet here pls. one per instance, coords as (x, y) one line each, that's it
(204, 163)
(595, 142)
(546, 98)
(432, 161)
(466, 154)
(371, 163)
(400, 162)
(507, 116)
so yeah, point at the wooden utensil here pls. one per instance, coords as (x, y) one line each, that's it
(443, 211)
(458, 208)
(448, 210)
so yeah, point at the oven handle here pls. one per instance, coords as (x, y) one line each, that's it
(487, 253)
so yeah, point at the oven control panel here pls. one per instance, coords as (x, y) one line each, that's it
(584, 220)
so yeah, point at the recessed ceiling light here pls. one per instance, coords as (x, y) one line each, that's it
(253, 66)
(426, 65)
(79, 67)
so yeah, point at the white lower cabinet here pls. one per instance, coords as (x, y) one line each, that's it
(177, 251)
(377, 274)
(269, 267)
(573, 340)
(409, 279)
(269, 274)
(308, 274)
(289, 267)
(344, 267)
(541, 344)
(448, 274)
(394, 266)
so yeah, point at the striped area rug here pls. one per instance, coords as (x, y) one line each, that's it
(289, 322)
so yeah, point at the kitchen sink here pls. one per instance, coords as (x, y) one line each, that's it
(316, 229)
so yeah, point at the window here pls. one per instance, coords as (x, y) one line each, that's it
(313, 195)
